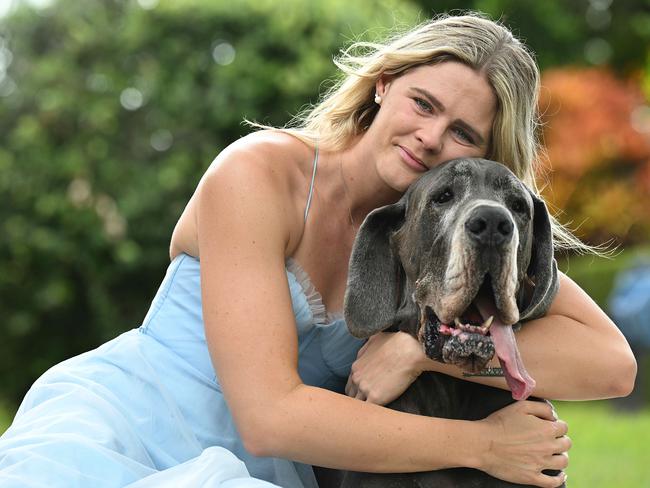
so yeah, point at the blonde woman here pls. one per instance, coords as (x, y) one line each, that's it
(237, 375)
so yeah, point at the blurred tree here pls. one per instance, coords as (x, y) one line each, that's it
(561, 32)
(597, 135)
(111, 111)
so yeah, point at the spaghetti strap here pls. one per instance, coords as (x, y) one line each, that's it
(311, 185)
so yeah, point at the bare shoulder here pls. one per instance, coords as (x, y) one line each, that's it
(268, 168)
(270, 154)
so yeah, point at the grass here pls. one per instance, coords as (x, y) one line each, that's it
(610, 447)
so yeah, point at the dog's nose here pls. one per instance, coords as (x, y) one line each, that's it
(489, 226)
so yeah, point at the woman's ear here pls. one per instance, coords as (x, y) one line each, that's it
(383, 84)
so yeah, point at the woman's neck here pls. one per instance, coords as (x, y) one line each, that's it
(365, 189)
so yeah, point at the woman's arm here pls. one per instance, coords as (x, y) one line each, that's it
(575, 352)
(244, 226)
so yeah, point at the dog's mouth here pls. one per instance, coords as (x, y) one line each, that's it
(466, 342)
(472, 339)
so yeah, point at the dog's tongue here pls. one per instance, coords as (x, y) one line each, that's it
(520, 382)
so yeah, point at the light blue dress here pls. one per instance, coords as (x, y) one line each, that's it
(146, 409)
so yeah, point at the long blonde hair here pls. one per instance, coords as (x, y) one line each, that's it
(347, 108)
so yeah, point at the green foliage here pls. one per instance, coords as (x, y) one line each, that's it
(116, 113)
(561, 32)
(6, 416)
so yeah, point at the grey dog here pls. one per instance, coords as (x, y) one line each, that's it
(467, 241)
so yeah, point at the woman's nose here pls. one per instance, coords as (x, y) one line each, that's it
(431, 136)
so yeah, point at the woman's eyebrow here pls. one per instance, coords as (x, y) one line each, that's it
(439, 106)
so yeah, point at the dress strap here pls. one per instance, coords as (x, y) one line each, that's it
(311, 185)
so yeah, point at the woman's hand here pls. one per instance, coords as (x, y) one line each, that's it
(526, 438)
(386, 365)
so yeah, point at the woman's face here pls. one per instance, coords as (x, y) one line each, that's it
(429, 115)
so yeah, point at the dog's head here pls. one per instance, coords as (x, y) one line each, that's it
(464, 255)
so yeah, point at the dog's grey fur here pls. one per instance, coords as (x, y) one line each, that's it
(429, 253)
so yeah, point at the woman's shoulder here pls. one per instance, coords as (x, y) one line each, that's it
(272, 168)
(266, 157)
(258, 165)
(268, 151)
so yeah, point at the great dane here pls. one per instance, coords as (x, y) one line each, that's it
(463, 258)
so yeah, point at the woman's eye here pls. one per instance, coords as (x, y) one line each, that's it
(444, 196)
(423, 105)
(464, 135)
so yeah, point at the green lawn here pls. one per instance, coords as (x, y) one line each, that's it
(610, 448)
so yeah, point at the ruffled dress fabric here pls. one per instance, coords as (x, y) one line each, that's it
(146, 409)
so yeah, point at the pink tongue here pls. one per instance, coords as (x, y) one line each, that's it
(520, 382)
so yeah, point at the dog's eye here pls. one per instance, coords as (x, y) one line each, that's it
(444, 196)
(519, 206)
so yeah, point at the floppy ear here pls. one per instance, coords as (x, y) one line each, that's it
(542, 269)
(374, 277)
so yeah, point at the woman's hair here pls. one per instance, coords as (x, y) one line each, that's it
(347, 108)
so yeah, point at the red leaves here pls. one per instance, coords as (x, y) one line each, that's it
(597, 137)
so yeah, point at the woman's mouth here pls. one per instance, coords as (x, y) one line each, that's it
(411, 160)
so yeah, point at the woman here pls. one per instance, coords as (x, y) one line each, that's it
(272, 221)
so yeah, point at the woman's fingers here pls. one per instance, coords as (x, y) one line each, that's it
(561, 428)
(529, 439)
(350, 387)
(546, 481)
(558, 461)
(562, 444)
(543, 410)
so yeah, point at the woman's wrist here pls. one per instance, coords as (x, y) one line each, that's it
(478, 455)
(422, 363)
(418, 360)
(470, 446)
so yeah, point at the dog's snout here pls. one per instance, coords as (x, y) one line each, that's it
(489, 226)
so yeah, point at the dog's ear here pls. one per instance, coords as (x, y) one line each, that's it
(542, 270)
(374, 277)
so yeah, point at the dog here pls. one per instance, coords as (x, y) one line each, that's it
(466, 242)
